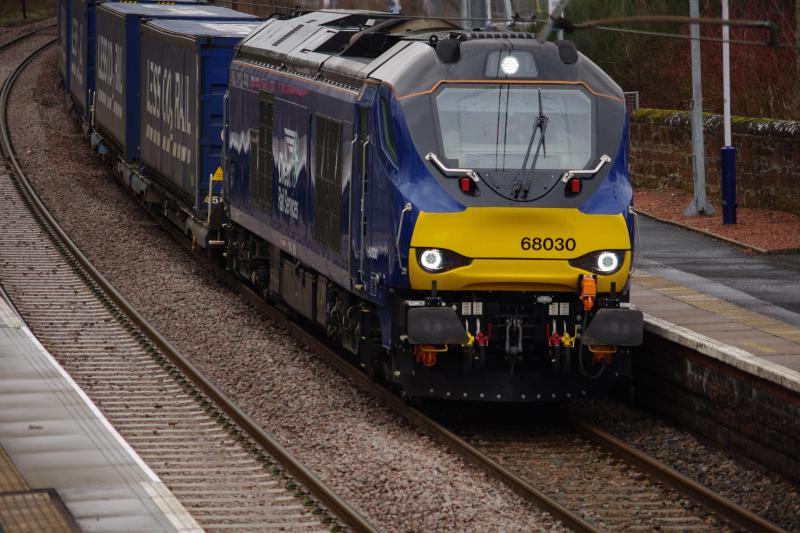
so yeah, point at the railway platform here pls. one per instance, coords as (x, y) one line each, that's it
(775, 342)
(63, 467)
(744, 308)
(722, 342)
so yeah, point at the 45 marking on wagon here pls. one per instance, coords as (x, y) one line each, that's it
(559, 244)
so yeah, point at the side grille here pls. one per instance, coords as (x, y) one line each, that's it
(328, 181)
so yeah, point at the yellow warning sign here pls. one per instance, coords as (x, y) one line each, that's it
(217, 174)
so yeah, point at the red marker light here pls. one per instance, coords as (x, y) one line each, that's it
(466, 184)
(574, 185)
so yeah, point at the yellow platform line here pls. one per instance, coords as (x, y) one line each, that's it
(719, 307)
(10, 478)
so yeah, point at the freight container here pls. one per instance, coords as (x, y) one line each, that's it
(81, 52)
(78, 47)
(64, 38)
(117, 77)
(184, 75)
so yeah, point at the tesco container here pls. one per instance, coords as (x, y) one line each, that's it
(184, 75)
(117, 74)
(76, 43)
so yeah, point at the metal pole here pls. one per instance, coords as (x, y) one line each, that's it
(699, 204)
(726, 74)
(728, 154)
(554, 4)
(555, 9)
(509, 13)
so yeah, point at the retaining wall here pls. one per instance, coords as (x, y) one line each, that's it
(735, 409)
(767, 162)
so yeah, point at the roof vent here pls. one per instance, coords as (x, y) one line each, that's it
(288, 34)
(499, 35)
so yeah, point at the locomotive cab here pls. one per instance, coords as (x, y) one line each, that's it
(523, 280)
(453, 207)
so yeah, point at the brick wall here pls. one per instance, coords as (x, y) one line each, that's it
(767, 159)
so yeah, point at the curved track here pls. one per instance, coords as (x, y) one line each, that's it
(225, 469)
(23, 37)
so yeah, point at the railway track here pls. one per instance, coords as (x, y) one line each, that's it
(602, 483)
(23, 37)
(613, 487)
(584, 476)
(647, 495)
(653, 495)
(609, 484)
(225, 469)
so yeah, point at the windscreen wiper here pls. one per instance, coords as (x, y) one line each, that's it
(517, 188)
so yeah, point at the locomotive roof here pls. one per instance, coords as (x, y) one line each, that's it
(205, 28)
(345, 40)
(343, 46)
(177, 10)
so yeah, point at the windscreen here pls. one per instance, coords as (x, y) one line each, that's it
(492, 127)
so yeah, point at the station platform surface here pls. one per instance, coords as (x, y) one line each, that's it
(721, 292)
(63, 467)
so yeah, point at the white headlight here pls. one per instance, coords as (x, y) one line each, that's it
(607, 262)
(432, 259)
(509, 65)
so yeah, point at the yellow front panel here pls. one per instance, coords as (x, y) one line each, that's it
(493, 238)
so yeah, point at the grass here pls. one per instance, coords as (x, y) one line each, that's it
(35, 10)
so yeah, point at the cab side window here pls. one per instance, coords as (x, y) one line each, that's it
(387, 131)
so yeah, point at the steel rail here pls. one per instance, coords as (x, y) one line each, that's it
(24, 36)
(332, 502)
(674, 479)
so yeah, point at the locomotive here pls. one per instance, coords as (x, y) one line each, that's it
(453, 207)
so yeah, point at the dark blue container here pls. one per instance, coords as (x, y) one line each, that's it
(184, 74)
(64, 40)
(79, 47)
(117, 78)
(80, 65)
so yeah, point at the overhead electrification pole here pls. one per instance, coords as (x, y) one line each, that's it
(728, 153)
(553, 5)
(699, 204)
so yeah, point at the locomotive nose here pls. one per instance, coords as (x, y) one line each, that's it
(494, 248)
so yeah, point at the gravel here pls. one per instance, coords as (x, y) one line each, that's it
(736, 478)
(11, 33)
(16, 53)
(398, 478)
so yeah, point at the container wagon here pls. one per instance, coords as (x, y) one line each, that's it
(118, 77)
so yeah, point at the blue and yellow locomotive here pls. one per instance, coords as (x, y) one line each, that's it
(453, 207)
